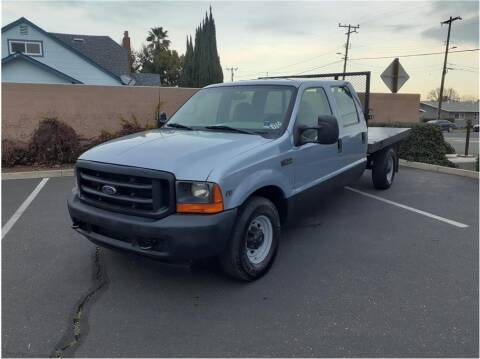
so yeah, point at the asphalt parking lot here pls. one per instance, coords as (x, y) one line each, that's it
(360, 276)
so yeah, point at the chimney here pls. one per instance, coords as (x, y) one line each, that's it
(126, 45)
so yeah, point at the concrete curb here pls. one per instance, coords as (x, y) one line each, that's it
(37, 174)
(417, 165)
(440, 169)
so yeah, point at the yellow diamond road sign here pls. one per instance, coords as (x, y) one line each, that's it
(394, 76)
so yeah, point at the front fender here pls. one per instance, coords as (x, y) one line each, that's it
(238, 189)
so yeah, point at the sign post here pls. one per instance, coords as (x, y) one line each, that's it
(394, 76)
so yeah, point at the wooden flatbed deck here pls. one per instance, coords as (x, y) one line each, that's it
(381, 137)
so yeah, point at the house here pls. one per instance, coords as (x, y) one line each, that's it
(457, 111)
(33, 55)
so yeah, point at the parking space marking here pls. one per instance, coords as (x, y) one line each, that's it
(18, 213)
(427, 214)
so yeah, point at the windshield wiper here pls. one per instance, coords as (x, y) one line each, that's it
(178, 125)
(232, 129)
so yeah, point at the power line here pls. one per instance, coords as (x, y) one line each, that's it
(319, 67)
(412, 55)
(351, 30)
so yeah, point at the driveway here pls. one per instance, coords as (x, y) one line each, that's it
(369, 273)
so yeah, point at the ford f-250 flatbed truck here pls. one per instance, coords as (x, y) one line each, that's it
(227, 170)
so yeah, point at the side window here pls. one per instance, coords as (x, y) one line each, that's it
(346, 105)
(314, 103)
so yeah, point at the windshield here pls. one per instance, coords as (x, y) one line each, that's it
(259, 109)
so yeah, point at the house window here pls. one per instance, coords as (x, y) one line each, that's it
(31, 48)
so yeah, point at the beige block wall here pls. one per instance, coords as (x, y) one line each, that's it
(88, 109)
(91, 109)
(392, 108)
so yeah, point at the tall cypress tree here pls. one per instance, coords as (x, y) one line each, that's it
(202, 64)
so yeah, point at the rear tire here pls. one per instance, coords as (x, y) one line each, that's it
(254, 242)
(383, 171)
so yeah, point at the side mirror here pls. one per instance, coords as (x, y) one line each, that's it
(162, 119)
(328, 130)
(325, 133)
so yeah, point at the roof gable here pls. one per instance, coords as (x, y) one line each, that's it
(102, 65)
(18, 56)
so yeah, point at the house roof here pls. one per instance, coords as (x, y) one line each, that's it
(101, 49)
(19, 56)
(146, 79)
(454, 106)
(107, 59)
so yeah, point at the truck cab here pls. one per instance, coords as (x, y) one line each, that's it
(223, 175)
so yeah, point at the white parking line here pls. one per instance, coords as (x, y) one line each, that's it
(18, 213)
(427, 214)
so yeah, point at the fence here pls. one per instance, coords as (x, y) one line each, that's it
(91, 109)
(88, 109)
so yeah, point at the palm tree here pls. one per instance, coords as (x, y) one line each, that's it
(157, 39)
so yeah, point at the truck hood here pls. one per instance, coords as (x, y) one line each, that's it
(187, 154)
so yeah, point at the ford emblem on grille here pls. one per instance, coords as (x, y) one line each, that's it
(109, 190)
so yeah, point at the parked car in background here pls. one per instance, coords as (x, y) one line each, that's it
(444, 125)
(475, 128)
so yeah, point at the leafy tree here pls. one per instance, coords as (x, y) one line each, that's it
(449, 94)
(156, 57)
(202, 64)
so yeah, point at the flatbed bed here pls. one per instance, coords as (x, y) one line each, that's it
(381, 137)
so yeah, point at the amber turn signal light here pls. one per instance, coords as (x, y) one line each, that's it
(215, 206)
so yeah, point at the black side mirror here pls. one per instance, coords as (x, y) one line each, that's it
(325, 133)
(328, 130)
(162, 119)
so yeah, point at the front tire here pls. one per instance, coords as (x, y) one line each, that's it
(254, 242)
(383, 171)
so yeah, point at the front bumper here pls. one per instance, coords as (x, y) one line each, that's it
(178, 236)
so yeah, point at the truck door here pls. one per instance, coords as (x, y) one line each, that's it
(314, 163)
(352, 144)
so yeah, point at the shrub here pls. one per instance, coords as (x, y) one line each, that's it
(425, 144)
(54, 142)
(449, 149)
(13, 154)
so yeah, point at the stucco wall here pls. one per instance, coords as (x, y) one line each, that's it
(392, 108)
(88, 109)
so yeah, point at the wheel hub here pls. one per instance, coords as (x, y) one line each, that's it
(259, 238)
(255, 237)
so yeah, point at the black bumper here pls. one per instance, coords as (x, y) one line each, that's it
(178, 236)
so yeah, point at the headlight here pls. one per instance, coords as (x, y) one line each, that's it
(198, 197)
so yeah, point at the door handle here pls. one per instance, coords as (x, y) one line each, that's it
(340, 145)
(364, 137)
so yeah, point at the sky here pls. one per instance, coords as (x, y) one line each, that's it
(288, 38)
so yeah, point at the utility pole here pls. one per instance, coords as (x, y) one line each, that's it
(232, 71)
(351, 29)
(444, 71)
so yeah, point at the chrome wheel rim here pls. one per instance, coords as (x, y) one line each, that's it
(259, 239)
(390, 169)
